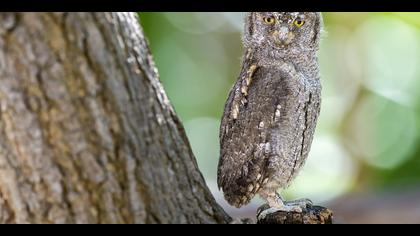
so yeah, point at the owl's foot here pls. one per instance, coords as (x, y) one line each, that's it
(276, 203)
(302, 203)
(284, 208)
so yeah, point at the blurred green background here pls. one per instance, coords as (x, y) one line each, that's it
(368, 132)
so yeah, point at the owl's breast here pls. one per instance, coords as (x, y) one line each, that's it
(291, 104)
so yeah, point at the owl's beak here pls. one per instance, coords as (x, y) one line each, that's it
(282, 36)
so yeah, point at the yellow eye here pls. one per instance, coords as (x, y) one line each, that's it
(299, 23)
(269, 20)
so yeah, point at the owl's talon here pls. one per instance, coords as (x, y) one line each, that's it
(277, 203)
(284, 208)
(302, 203)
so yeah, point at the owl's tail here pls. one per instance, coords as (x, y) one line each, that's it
(238, 198)
(238, 187)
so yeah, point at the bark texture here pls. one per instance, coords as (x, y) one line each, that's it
(311, 215)
(87, 134)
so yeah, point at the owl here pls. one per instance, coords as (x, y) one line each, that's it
(271, 112)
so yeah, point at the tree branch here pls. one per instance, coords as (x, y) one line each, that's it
(311, 215)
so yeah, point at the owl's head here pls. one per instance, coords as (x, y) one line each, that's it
(296, 31)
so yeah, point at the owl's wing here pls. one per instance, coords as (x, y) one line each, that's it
(237, 96)
(252, 112)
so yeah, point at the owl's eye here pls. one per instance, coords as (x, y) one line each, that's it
(299, 23)
(269, 20)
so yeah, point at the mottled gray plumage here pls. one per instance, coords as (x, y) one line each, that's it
(271, 112)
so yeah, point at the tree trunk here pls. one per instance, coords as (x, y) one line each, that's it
(87, 134)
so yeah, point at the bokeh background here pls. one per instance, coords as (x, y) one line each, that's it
(364, 160)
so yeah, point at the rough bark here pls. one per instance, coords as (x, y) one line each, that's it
(87, 134)
(310, 215)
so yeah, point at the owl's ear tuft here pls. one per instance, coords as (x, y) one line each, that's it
(317, 29)
(249, 27)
